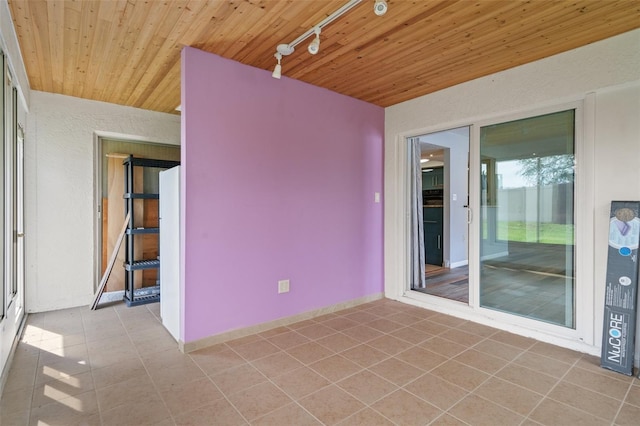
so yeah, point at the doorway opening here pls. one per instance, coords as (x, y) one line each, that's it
(110, 188)
(442, 210)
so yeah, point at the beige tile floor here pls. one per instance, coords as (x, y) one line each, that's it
(383, 363)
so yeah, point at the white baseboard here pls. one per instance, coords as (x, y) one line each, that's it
(459, 264)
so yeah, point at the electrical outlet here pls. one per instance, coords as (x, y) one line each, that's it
(283, 286)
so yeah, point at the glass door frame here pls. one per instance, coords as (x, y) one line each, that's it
(583, 221)
(501, 243)
(397, 227)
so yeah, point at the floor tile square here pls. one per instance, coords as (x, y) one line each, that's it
(190, 396)
(367, 387)
(397, 372)
(509, 395)
(527, 378)
(259, 400)
(338, 342)
(389, 344)
(308, 353)
(411, 335)
(585, 400)
(612, 387)
(366, 417)
(364, 355)
(475, 410)
(335, 367)
(221, 410)
(256, 350)
(362, 333)
(543, 364)
(331, 404)
(442, 346)
(437, 391)
(276, 364)
(403, 408)
(421, 358)
(551, 412)
(301, 382)
(288, 339)
(480, 361)
(238, 378)
(628, 416)
(291, 414)
(340, 323)
(461, 375)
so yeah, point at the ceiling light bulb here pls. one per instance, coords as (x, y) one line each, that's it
(314, 46)
(380, 7)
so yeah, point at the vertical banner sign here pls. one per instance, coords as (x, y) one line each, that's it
(620, 297)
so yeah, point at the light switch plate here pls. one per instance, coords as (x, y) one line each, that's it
(283, 286)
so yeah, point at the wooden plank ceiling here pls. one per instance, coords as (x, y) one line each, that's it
(128, 51)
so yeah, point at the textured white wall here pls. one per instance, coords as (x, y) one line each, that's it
(606, 75)
(59, 163)
(617, 177)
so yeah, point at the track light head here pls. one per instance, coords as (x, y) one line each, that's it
(277, 71)
(380, 7)
(314, 46)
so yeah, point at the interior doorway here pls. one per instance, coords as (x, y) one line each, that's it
(110, 212)
(444, 185)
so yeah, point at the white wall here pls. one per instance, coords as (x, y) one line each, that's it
(617, 175)
(605, 78)
(59, 144)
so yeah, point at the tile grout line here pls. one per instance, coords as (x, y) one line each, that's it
(622, 402)
(267, 379)
(576, 366)
(546, 396)
(331, 382)
(155, 387)
(95, 390)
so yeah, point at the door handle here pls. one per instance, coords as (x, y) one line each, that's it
(19, 234)
(438, 242)
(469, 215)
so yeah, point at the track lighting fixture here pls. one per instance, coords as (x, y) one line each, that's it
(314, 46)
(277, 71)
(380, 7)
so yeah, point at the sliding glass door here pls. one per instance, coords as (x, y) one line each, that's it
(527, 251)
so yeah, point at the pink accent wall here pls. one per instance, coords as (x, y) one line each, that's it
(278, 183)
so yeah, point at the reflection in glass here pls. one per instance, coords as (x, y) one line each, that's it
(527, 217)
